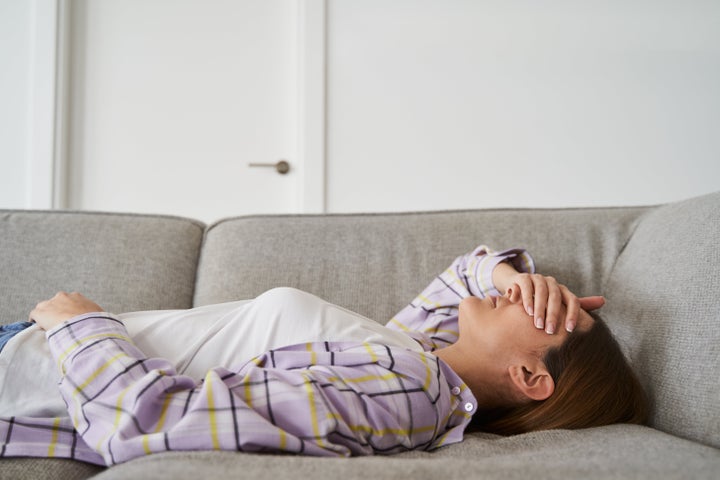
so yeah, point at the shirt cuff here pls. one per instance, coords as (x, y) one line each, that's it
(484, 260)
(77, 333)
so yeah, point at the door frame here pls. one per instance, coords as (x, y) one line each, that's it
(45, 104)
(312, 96)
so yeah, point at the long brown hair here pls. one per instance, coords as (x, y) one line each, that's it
(594, 386)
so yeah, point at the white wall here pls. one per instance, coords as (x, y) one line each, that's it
(436, 104)
(465, 103)
(15, 38)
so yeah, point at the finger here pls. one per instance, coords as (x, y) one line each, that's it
(527, 289)
(36, 311)
(37, 314)
(554, 305)
(514, 293)
(591, 303)
(540, 299)
(572, 304)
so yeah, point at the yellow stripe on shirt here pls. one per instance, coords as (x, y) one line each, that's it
(163, 413)
(211, 411)
(146, 444)
(371, 352)
(364, 378)
(313, 355)
(248, 391)
(381, 431)
(428, 372)
(459, 283)
(401, 325)
(283, 439)
(97, 372)
(118, 414)
(444, 330)
(313, 410)
(53, 440)
(427, 301)
(390, 431)
(61, 358)
(479, 271)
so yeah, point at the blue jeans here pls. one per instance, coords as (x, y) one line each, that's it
(9, 331)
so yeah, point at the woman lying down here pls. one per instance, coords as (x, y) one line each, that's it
(488, 345)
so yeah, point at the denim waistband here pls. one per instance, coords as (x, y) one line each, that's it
(10, 330)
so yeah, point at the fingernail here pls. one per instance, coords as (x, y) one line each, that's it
(569, 326)
(530, 310)
(549, 329)
(539, 323)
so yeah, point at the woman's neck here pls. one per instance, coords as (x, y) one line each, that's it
(482, 375)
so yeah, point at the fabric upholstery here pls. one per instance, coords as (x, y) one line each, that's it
(663, 305)
(658, 267)
(123, 262)
(46, 468)
(618, 451)
(376, 264)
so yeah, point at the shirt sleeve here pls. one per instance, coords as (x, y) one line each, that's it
(431, 318)
(303, 399)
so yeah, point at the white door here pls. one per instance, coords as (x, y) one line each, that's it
(170, 101)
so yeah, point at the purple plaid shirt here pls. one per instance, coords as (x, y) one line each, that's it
(323, 398)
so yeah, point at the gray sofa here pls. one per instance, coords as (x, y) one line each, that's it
(659, 268)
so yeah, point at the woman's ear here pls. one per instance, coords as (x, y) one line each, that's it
(537, 384)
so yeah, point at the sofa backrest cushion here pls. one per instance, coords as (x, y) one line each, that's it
(123, 262)
(663, 305)
(375, 264)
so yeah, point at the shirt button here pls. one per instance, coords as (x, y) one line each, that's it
(455, 391)
(468, 407)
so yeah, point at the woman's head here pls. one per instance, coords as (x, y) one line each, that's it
(500, 353)
(592, 385)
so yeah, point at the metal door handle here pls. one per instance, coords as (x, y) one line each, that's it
(282, 166)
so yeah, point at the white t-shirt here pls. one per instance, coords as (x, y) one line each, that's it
(195, 340)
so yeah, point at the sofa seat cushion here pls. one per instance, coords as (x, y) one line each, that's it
(619, 451)
(46, 468)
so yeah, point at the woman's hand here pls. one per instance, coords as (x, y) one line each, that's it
(543, 298)
(63, 306)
